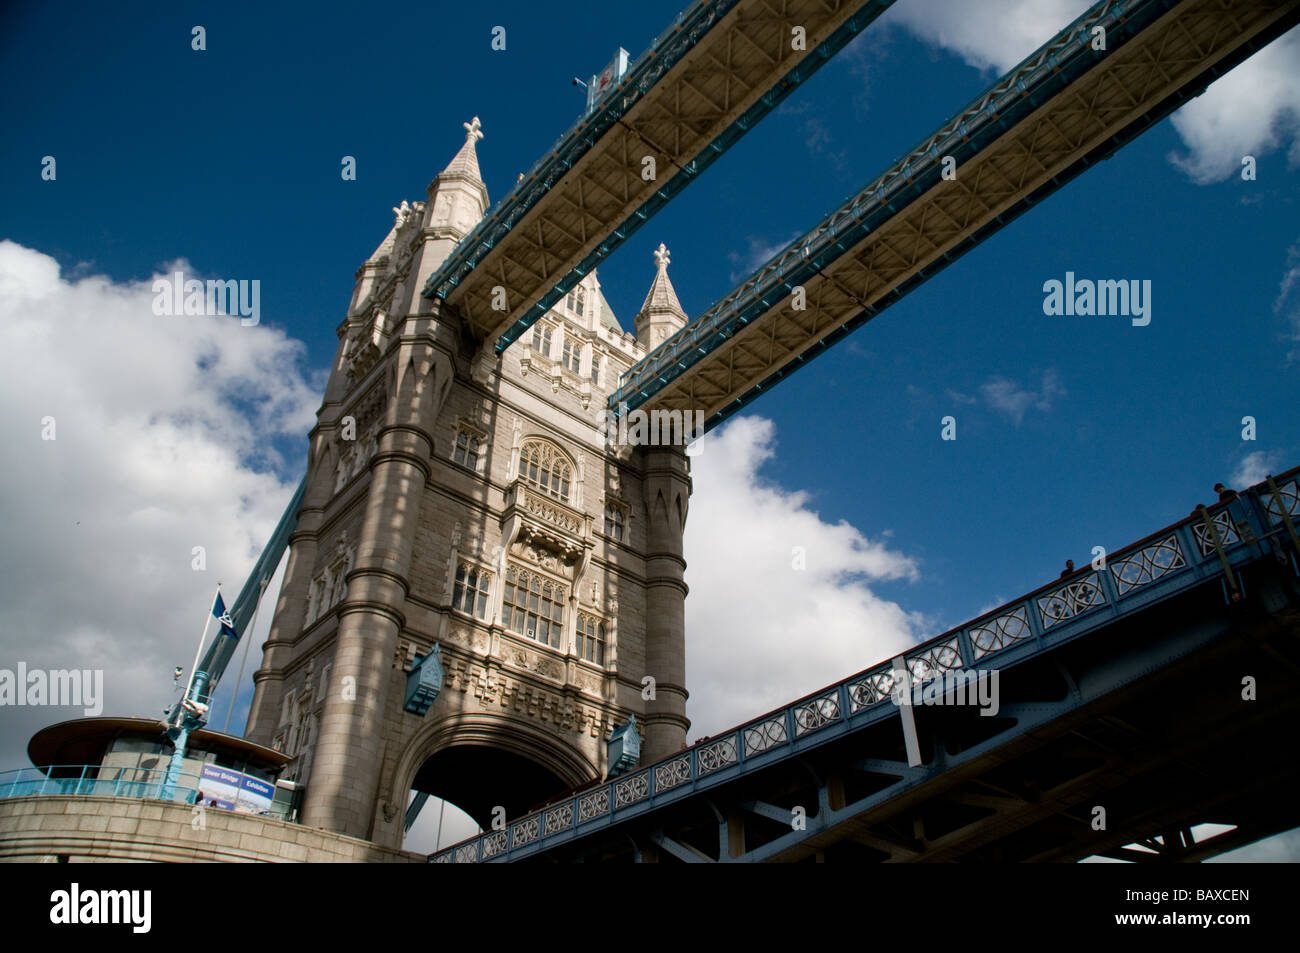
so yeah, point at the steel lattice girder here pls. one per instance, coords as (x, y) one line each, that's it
(691, 97)
(1047, 121)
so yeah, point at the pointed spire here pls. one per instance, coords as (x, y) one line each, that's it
(662, 313)
(466, 161)
(662, 296)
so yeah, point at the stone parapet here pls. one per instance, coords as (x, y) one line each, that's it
(116, 830)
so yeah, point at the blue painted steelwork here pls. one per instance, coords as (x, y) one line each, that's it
(1046, 72)
(1043, 75)
(424, 682)
(813, 61)
(1164, 565)
(219, 653)
(412, 812)
(624, 748)
(648, 70)
(95, 780)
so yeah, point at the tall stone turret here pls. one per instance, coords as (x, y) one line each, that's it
(661, 316)
(474, 504)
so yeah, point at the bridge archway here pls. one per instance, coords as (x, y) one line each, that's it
(478, 762)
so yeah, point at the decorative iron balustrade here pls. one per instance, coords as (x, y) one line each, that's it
(935, 660)
(1147, 565)
(871, 689)
(593, 805)
(525, 832)
(717, 755)
(1157, 567)
(1224, 526)
(1072, 599)
(1289, 492)
(998, 633)
(817, 713)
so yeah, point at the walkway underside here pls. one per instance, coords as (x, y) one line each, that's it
(1066, 108)
(1163, 748)
(724, 66)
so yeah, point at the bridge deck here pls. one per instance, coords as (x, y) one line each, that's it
(1204, 553)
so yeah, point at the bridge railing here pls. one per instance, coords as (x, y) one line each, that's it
(1046, 71)
(95, 780)
(1206, 545)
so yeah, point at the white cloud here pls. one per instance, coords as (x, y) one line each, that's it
(1285, 299)
(761, 632)
(161, 444)
(991, 35)
(757, 253)
(1253, 110)
(1008, 397)
(1254, 468)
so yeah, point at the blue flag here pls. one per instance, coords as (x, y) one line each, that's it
(222, 615)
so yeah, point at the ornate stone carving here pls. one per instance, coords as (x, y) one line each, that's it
(544, 509)
(404, 657)
(441, 209)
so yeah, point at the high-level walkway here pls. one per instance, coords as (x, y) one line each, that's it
(705, 82)
(1065, 108)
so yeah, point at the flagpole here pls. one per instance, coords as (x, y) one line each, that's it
(180, 731)
(207, 620)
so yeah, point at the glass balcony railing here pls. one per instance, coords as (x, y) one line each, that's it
(93, 780)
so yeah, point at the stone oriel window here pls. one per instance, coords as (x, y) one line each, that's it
(615, 520)
(591, 638)
(471, 591)
(468, 448)
(542, 340)
(533, 606)
(572, 354)
(542, 466)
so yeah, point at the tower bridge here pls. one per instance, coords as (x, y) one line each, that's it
(479, 583)
(481, 509)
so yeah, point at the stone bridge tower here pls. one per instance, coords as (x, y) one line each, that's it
(473, 503)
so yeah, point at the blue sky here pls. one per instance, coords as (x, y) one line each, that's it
(1072, 431)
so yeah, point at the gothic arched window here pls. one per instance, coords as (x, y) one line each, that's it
(542, 340)
(591, 638)
(471, 590)
(571, 356)
(576, 300)
(544, 467)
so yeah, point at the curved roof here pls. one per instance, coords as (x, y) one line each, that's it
(84, 740)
